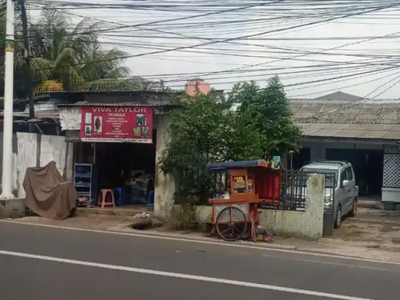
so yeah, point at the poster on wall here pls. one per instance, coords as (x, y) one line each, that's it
(133, 124)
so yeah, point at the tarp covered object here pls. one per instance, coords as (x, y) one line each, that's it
(47, 194)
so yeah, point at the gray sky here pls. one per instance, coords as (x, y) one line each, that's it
(362, 63)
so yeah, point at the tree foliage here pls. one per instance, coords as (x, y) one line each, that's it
(205, 130)
(74, 56)
(266, 110)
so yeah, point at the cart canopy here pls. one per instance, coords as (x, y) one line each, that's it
(237, 165)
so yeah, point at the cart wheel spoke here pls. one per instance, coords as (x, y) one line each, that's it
(235, 229)
(226, 230)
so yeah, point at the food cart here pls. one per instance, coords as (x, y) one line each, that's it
(243, 187)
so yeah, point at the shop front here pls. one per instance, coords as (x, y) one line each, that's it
(114, 151)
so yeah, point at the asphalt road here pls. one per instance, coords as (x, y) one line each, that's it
(41, 263)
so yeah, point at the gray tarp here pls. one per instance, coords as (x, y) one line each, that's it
(47, 194)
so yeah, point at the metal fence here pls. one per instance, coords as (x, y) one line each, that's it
(293, 190)
(281, 189)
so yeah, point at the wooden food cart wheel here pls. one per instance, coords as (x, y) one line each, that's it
(231, 229)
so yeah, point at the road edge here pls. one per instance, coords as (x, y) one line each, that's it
(243, 245)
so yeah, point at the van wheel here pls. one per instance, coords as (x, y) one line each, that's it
(353, 211)
(338, 218)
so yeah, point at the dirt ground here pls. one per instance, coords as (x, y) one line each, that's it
(373, 232)
(371, 225)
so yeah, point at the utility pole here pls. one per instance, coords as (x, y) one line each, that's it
(8, 105)
(27, 53)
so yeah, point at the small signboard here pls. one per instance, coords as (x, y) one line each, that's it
(132, 124)
(239, 184)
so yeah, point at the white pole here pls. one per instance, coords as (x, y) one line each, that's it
(8, 105)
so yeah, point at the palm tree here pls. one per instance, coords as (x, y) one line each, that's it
(71, 59)
(74, 57)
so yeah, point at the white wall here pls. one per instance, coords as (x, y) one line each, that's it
(53, 148)
(35, 150)
(27, 157)
(307, 224)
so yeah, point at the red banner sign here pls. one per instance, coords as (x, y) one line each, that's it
(132, 124)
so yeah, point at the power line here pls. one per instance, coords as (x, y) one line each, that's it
(255, 34)
(386, 60)
(183, 18)
(340, 78)
(364, 99)
(341, 87)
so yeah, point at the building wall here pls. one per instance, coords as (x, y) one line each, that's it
(164, 185)
(318, 148)
(32, 150)
(193, 86)
(318, 151)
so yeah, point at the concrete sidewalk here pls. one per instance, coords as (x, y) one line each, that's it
(374, 250)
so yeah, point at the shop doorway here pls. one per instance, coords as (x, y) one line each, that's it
(128, 168)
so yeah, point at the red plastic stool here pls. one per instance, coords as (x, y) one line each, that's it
(103, 198)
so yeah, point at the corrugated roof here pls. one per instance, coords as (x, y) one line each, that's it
(121, 92)
(346, 113)
(360, 120)
(325, 131)
(125, 104)
(339, 96)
